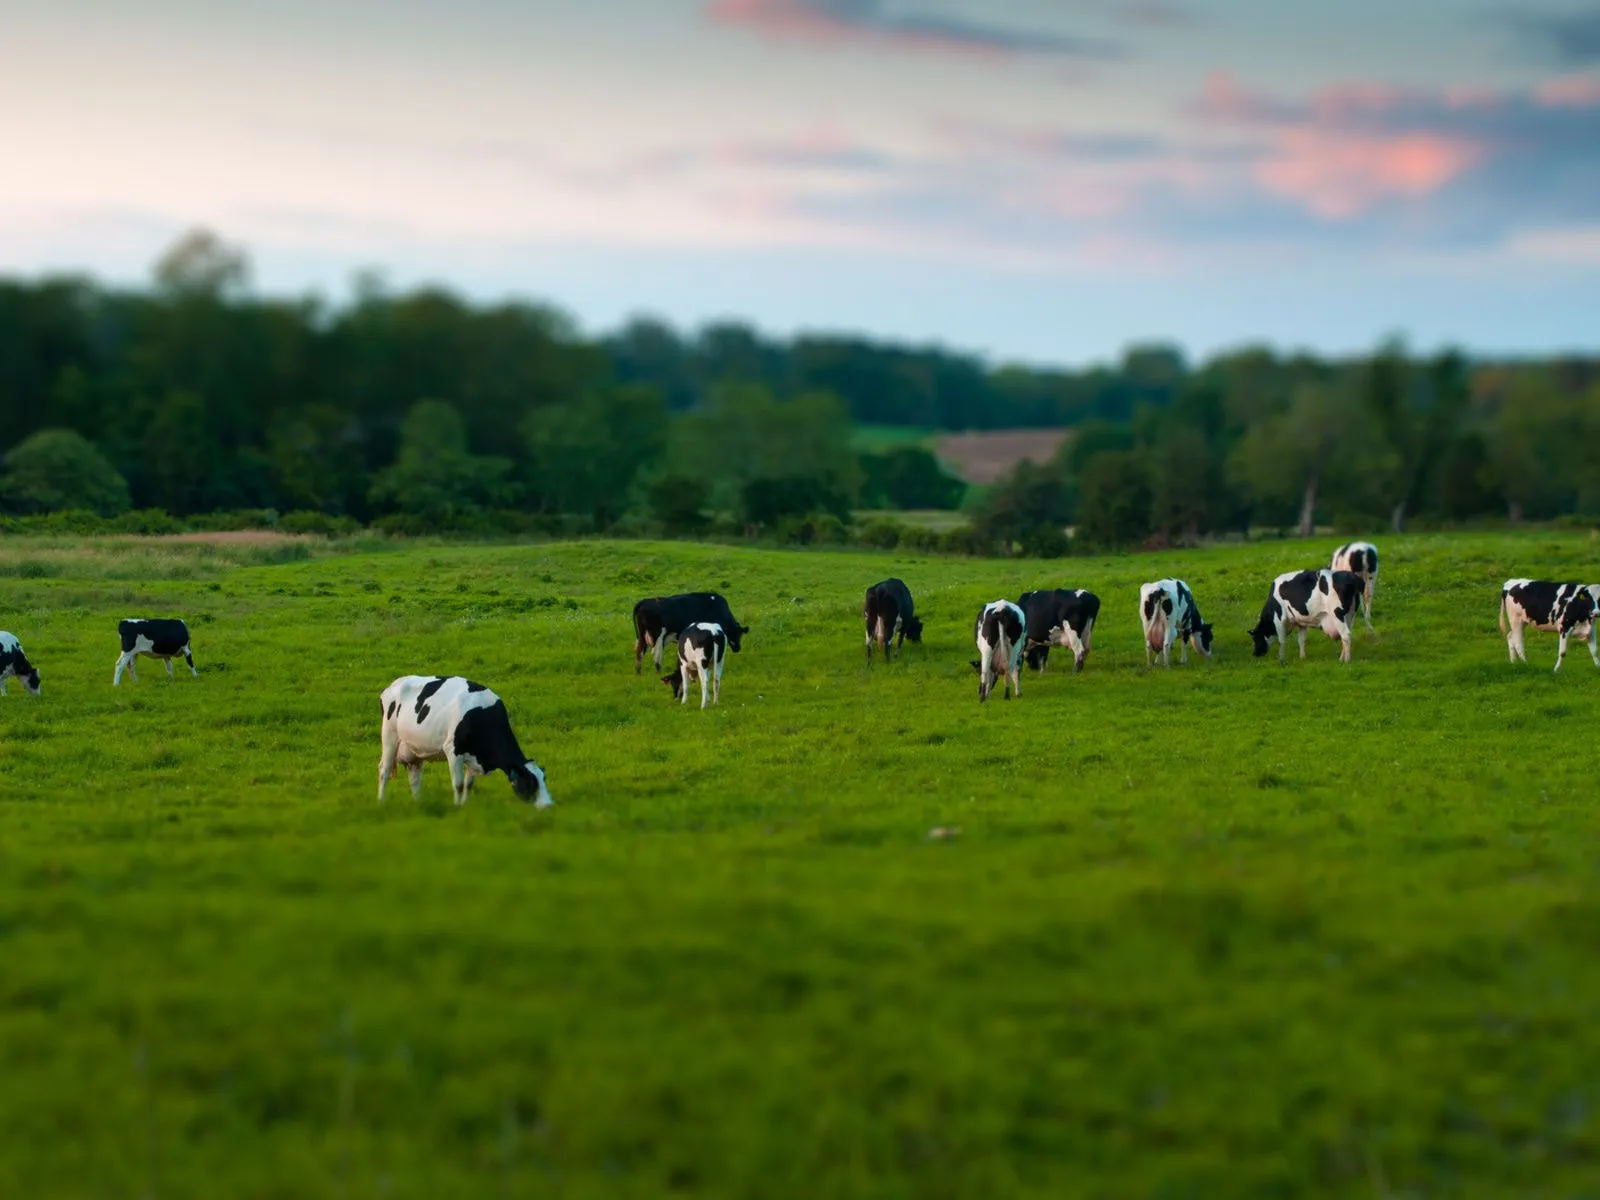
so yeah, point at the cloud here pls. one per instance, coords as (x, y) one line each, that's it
(1571, 39)
(1355, 147)
(871, 23)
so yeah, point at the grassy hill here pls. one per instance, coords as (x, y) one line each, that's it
(1230, 929)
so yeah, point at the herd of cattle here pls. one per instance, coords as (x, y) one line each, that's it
(429, 718)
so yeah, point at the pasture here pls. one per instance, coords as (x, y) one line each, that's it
(1233, 928)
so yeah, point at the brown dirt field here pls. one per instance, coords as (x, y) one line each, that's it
(983, 457)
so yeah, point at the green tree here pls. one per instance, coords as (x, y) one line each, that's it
(584, 457)
(435, 476)
(56, 469)
(1116, 499)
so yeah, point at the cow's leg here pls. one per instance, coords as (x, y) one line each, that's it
(2, 685)
(459, 783)
(683, 679)
(661, 644)
(168, 661)
(189, 658)
(1149, 650)
(1366, 604)
(716, 684)
(1519, 649)
(869, 644)
(122, 665)
(1561, 650)
(1016, 674)
(1344, 644)
(1594, 642)
(1301, 633)
(705, 682)
(391, 748)
(1282, 633)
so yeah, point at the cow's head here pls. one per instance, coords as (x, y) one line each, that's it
(912, 628)
(1576, 619)
(527, 781)
(1202, 639)
(735, 633)
(1037, 654)
(675, 682)
(1266, 628)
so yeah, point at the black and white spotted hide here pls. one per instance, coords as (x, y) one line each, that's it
(1567, 609)
(702, 649)
(659, 619)
(1310, 599)
(440, 718)
(1168, 612)
(165, 638)
(1001, 633)
(1361, 560)
(14, 664)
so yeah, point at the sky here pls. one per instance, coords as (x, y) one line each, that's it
(1041, 181)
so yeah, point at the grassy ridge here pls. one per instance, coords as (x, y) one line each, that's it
(1228, 929)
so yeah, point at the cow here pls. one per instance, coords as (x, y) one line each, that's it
(702, 647)
(14, 662)
(1565, 608)
(1361, 560)
(1001, 633)
(889, 613)
(429, 718)
(660, 618)
(1064, 616)
(1168, 612)
(1302, 600)
(165, 638)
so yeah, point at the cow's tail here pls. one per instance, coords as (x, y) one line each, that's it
(638, 638)
(1502, 612)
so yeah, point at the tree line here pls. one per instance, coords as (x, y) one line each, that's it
(419, 411)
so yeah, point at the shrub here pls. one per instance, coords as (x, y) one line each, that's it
(885, 535)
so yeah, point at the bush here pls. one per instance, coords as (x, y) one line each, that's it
(1045, 541)
(885, 535)
(56, 470)
(816, 529)
(965, 540)
(311, 521)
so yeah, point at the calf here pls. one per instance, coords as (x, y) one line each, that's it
(1301, 600)
(1169, 613)
(163, 638)
(659, 618)
(1001, 634)
(1064, 616)
(1565, 608)
(1361, 560)
(889, 613)
(701, 650)
(428, 718)
(14, 662)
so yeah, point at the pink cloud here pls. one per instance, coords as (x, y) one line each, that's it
(1339, 175)
(1570, 91)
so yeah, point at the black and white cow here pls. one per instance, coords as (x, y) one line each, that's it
(1001, 634)
(1302, 600)
(889, 612)
(1360, 559)
(165, 638)
(429, 718)
(1063, 616)
(1168, 612)
(1569, 609)
(702, 648)
(14, 662)
(658, 619)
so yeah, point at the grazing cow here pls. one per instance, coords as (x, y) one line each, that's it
(160, 637)
(428, 718)
(14, 662)
(702, 647)
(1361, 560)
(1302, 600)
(1565, 608)
(660, 618)
(1063, 616)
(1001, 633)
(889, 612)
(1169, 613)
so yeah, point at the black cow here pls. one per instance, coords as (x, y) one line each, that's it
(1564, 608)
(161, 637)
(1063, 616)
(14, 662)
(889, 613)
(1302, 600)
(658, 619)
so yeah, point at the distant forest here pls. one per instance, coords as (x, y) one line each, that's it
(421, 412)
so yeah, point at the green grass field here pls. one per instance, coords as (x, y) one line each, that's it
(1232, 929)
